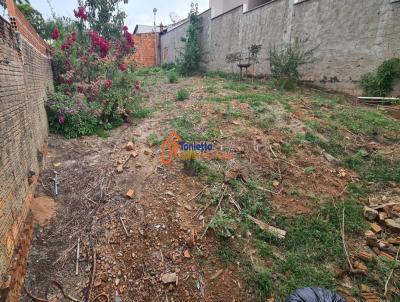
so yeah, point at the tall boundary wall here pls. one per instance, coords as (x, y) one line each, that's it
(354, 37)
(25, 79)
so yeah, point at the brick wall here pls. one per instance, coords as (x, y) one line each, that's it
(145, 55)
(25, 80)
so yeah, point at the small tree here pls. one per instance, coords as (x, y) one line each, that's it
(34, 17)
(192, 55)
(286, 60)
(105, 17)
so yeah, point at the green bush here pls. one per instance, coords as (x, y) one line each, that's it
(168, 66)
(381, 82)
(172, 78)
(286, 60)
(183, 94)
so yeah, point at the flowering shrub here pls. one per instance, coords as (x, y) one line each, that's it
(71, 117)
(93, 83)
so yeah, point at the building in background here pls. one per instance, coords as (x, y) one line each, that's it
(219, 7)
(146, 42)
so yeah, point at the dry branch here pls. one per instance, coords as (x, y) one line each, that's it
(281, 234)
(391, 272)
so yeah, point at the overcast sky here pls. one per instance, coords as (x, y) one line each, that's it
(138, 11)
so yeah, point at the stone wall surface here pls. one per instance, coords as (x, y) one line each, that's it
(353, 37)
(25, 79)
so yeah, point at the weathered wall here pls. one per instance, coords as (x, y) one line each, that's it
(25, 79)
(354, 37)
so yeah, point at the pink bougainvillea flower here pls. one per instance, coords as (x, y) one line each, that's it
(55, 34)
(108, 84)
(125, 28)
(61, 119)
(122, 67)
(137, 85)
(73, 36)
(81, 13)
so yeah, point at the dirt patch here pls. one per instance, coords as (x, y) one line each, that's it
(43, 209)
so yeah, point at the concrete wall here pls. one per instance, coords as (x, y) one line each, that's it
(354, 37)
(25, 79)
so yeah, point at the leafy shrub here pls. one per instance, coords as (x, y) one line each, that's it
(223, 224)
(286, 60)
(168, 66)
(183, 94)
(172, 78)
(381, 82)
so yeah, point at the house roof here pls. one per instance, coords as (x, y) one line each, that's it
(145, 29)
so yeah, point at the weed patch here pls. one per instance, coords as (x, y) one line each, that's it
(182, 95)
(373, 166)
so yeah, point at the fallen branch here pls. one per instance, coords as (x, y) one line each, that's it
(201, 191)
(272, 151)
(34, 297)
(344, 243)
(123, 225)
(351, 268)
(215, 213)
(381, 206)
(101, 295)
(64, 255)
(69, 297)
(281, 234)
(391, 272)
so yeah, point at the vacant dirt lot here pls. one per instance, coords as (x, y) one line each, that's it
(302, 161)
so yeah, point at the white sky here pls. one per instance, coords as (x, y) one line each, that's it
(138, 11)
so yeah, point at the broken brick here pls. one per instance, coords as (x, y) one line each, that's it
(376, 228)
(365, 256)
(130, 194)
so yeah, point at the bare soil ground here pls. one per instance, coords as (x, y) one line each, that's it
(295, 166)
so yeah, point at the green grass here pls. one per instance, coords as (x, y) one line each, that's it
(368, 122)
(182, 95)
(240, 87)
(267, 120)
(312, 245)
(142, 113)
(232, 112)
(211, 89)
(154, 140)
(374, 166)
(188, 128)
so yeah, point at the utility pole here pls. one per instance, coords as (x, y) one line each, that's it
(155, 36)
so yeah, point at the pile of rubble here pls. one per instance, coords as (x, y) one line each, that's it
(384, 234)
